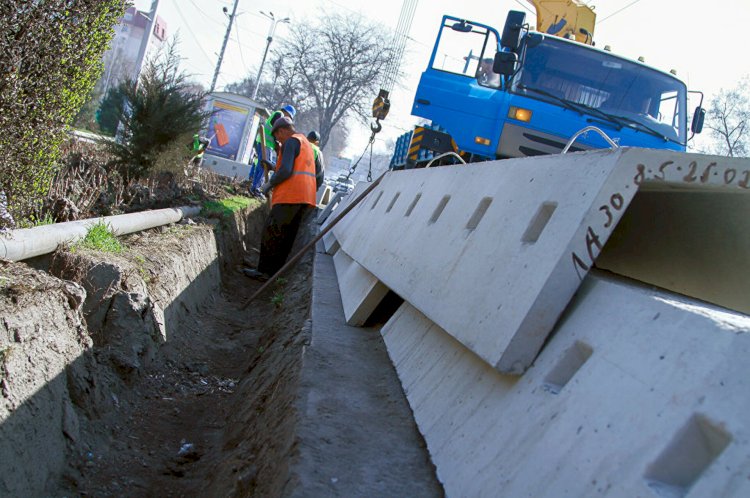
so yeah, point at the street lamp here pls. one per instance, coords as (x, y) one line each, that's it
(271, 31)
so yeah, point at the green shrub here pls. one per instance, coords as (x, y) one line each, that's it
(156, 113)
(100, 237)
(50, 54)
(108, 112)
(225, 207)
(34, 221)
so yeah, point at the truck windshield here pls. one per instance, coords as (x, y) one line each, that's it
(583, 79)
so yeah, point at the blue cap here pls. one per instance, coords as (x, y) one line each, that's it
(290, 109)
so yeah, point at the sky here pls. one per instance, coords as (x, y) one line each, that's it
(704, 42)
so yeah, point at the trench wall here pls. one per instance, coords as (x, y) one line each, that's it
(530, 373)
(72, 338)
(42, 333)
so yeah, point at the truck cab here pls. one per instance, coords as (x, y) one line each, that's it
(505, 96)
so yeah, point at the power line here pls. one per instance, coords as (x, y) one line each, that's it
(204, 14)
(599, 21)
(239, 45)
(251, 30)
(200, 47)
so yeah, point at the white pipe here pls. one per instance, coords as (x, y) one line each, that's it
(27, 243)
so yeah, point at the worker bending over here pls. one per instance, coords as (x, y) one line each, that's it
(294, 184)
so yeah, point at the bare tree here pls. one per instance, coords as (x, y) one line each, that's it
(333, 67)
(273, 97)
(729, 120)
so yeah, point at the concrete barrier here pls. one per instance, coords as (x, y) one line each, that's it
(626, 390)
(364, 291)
(493, 252)
(638, 393)
(330, 244)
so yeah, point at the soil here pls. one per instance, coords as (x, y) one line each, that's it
(212, 413)
(230, 370)
(207, 411)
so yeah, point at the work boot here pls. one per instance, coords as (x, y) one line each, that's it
(255, 274)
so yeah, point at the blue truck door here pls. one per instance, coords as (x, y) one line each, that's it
(459, 91)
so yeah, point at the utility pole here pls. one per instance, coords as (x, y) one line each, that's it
(271, 32)
(224, 45)
(146, 41)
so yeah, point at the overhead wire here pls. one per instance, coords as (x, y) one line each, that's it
(200, 47)
(599, 21)
(239, 45)
(206, 16)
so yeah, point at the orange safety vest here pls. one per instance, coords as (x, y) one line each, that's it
(300, 187)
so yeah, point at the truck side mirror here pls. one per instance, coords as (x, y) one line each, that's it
(505, 63)
(511, 38)
(698, 116)
(462, 27)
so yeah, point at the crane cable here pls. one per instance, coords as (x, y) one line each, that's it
(400, 35)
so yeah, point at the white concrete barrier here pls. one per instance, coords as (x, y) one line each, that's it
(493, 252)
(330, 244)
(364, 291)
(637, 392)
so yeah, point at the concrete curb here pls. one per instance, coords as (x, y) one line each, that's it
(356, 435)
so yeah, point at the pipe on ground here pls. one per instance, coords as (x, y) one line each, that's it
(27, 243)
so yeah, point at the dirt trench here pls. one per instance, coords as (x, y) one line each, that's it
(162, 384)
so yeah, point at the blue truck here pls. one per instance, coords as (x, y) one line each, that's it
(527, 93)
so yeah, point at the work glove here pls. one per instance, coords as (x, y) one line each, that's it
(267, 165)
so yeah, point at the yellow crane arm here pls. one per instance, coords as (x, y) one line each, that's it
(565, 18)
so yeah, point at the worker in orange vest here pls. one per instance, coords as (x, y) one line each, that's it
(294, 185)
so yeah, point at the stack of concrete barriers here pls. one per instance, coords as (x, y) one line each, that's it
(571, 325)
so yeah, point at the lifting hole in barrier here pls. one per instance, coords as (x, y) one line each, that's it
(479, 213)
(539, 222)
(690, 452)
(377, 199)
(413, 204)
(439, 209)
(393, 201)
(571, 361)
